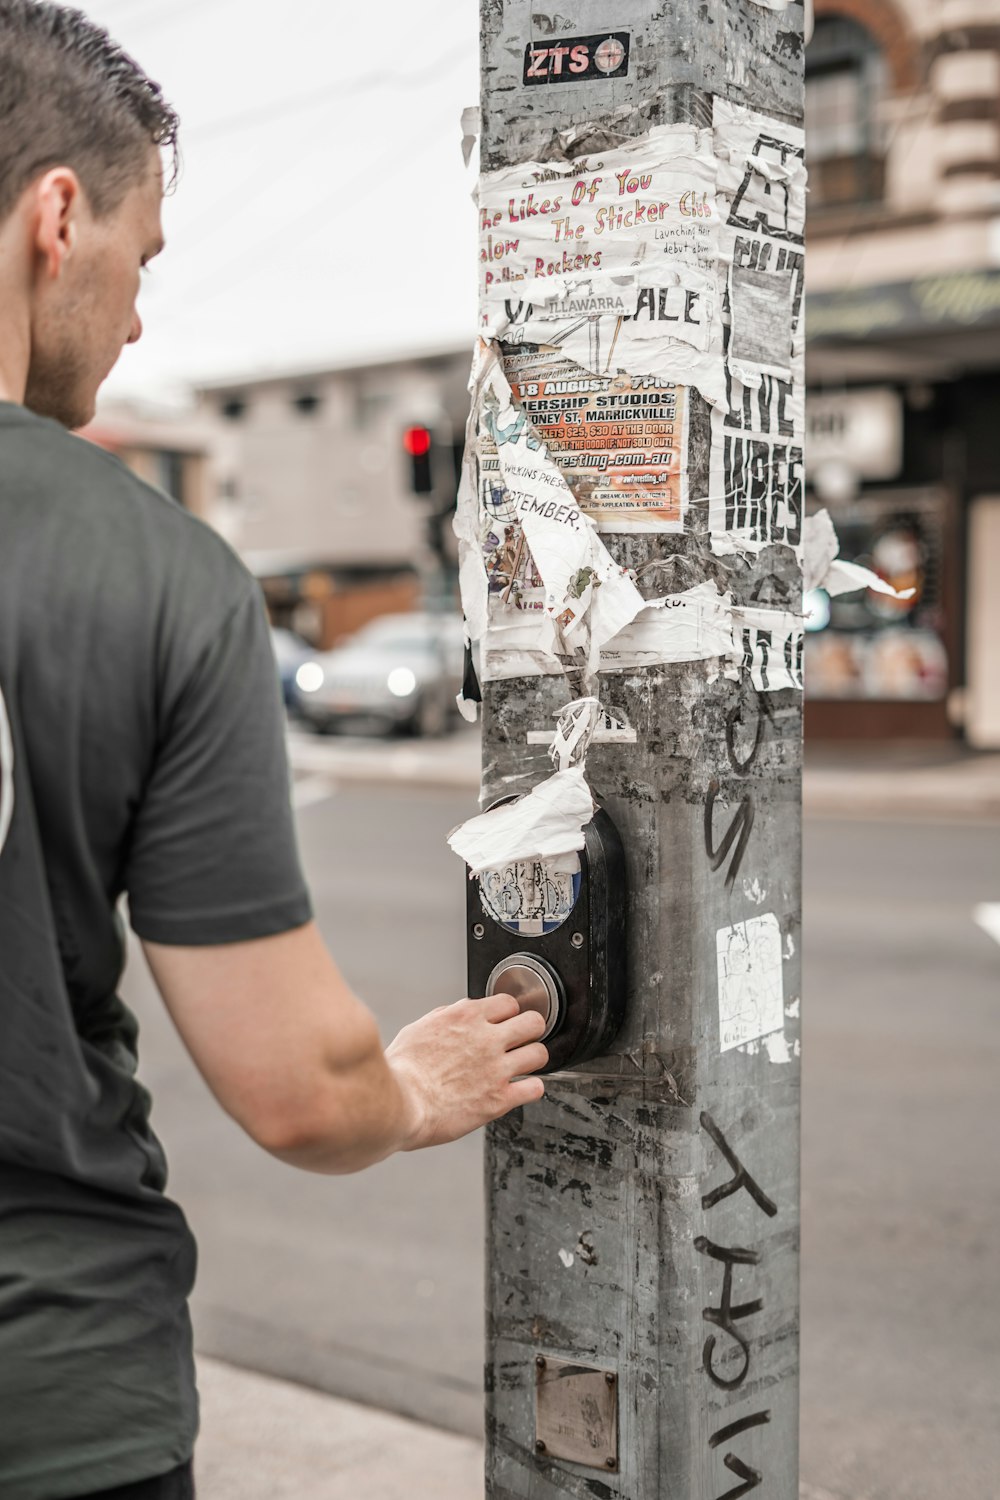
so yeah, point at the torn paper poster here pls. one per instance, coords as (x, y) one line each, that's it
(545, 823)
(471, 126)
(751, 995)
(611, 259)
(525, 543)
(610, 729)
(696, 625)
(758, 434)
(770, 644)
(819, 547)
(772, 4)
(619, 442)
(823, 568)
(575, 728)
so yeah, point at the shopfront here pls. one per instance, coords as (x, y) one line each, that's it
(900, 463)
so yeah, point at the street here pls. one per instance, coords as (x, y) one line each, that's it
(371, 1286)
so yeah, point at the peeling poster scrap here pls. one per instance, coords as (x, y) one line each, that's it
(545, 823)
(541, 553)
(751, 997)
(567, 259)
(823, 568)
(758, 433)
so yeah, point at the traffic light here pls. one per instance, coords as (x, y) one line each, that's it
(418, 443)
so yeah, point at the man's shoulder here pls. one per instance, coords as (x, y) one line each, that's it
(132, 521)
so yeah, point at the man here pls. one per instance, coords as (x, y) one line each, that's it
(142, 754)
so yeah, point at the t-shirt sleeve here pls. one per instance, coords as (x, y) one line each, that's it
(213, 856)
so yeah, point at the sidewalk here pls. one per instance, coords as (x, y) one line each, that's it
(902, 782)
(265, 1439)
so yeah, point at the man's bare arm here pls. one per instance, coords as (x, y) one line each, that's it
(296, 1059)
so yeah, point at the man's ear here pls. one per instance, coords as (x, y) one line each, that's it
(57, 204)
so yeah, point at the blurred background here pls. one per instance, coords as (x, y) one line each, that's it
(301, 386)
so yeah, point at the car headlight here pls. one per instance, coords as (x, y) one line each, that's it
(401, 682)
(309, 677)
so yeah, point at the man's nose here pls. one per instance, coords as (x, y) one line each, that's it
(135, 332)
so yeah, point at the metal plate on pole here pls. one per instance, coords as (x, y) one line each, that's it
(576, 1413)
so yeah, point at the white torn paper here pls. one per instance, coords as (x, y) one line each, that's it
(819, 547)
(575, 728)
(471, 126)
(700, 624)
(751, 999)
(695, 625)
(545, 823)
(823, 568)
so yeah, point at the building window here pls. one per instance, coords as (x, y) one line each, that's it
(233, 408)
(306, 403)
(371, 407)
(169, 467)
(845, 136)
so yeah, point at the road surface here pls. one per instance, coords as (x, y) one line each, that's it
(371, 1286)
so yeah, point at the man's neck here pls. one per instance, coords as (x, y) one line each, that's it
(15, 331)
(13, 362)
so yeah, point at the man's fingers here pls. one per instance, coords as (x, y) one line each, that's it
(526, 1026)
(524, 1091)
(500, 1007)
(527, 1059)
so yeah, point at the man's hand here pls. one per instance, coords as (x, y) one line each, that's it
(296, 1059)
(463, 1065)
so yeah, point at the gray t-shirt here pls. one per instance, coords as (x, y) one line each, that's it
(141, 753)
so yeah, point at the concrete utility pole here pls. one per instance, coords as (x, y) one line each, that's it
(642, 1317)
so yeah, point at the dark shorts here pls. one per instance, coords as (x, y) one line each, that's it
(177, 1485)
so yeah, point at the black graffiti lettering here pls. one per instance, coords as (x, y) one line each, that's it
(756, 1419)
(741, 1177)
(742, 1471)
(734, 717)
(726, 1316)
(738, 832)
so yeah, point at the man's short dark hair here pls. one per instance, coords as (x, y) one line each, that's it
(69, 96)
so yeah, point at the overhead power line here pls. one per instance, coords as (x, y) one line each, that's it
(329, 93)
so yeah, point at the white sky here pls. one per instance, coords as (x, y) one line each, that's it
(323, 210)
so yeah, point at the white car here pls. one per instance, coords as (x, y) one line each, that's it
(399, 672)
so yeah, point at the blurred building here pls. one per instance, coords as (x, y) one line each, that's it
(312, 474)
(306, 474)
(172, 452)
(903, 324)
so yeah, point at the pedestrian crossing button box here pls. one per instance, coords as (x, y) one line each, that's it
(552, 934)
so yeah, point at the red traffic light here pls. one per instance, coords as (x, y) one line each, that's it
(417, 441)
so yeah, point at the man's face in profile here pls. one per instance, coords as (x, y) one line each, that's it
(83, 316)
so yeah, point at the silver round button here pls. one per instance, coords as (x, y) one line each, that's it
(533, 985)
